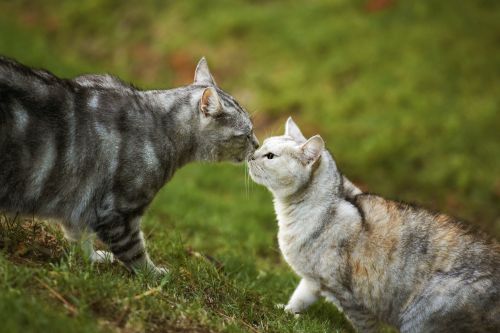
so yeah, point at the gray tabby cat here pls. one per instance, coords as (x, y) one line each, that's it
(378, 260)
(92, 152)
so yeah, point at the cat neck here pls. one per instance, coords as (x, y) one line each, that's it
(314, 199)
(178, 114)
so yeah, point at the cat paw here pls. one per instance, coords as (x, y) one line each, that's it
(288, 309)
(101, 256)
(152, 271)
(160, 271)
(292, 310)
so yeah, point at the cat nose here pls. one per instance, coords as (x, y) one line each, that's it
(251, 157)
(255, 141)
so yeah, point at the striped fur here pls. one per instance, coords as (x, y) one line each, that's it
(93, 151)
(378, 260)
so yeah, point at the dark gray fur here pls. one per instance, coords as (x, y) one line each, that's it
(93, 151)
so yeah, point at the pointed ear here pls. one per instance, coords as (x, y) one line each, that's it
(202, 73)
(312, 149)
(293, 131)
(209, 102)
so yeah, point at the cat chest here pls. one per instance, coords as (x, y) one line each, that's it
(316, 258)
(307, 256)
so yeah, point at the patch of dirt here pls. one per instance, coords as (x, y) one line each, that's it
(163, 325)
(185, 329)
(30, 240)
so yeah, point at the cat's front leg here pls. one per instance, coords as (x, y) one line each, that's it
(78, 234)
(304, 295)
(124, 238)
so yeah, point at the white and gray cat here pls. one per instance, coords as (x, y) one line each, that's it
(378, 260)
(92, 152)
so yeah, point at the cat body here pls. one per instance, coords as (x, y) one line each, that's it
(92, 152)
(376, 259)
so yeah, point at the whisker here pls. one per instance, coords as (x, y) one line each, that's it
(246, 180)
(249, 180)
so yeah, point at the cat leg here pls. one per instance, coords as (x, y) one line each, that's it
(86, 240)
(304, 295)
(124, 238)
(96, 256)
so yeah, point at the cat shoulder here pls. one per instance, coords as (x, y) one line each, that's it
(102, 81)
(15, 74)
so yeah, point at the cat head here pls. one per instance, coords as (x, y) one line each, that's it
(226, 131)
(285, 164)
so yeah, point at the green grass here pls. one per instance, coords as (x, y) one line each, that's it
(407, 98)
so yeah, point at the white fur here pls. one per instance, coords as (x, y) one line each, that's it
(94, 101)
(21, 119)
(293, 131)
(306, 293)
(282, 175)
(150, 156)
(305, 184)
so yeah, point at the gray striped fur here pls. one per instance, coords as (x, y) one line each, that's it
(92, 152)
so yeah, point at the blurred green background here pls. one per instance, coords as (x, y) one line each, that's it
(406, 94)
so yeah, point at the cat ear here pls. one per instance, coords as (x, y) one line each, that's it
(312, 149)
(293, 131)
(209, 103)
(202, 73)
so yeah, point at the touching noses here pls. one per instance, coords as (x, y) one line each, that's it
(251, 156)
(255, 142)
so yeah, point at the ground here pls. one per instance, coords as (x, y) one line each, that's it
(406, 95)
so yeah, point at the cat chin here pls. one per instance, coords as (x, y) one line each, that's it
(238, 160)
(255, 178)
(234, 161)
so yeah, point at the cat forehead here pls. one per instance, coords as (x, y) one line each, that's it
(230, 102)
(279, 142)
(235, 121)
(235, 113)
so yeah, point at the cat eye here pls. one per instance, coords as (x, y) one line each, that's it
(269, 156)
(243, 136)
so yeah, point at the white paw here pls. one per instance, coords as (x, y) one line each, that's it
(102, 256)
(152, 271)
(160, 271)
(288, 309)
(292, 310)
